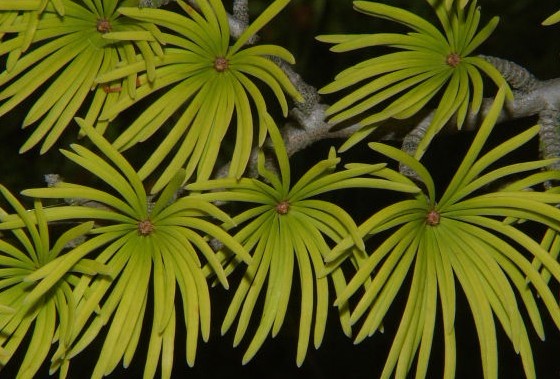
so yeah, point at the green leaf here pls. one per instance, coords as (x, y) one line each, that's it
(552, 19)
(268, 14)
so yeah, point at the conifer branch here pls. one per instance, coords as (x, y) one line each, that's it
(308, 123)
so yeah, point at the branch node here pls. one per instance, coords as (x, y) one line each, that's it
(241, 12)
(549, 135)
(309, 93)
(518, 77)
(153, 3)
(410, 144)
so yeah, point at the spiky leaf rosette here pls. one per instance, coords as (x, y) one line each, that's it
(209, 82)
(400, 84)
(459, 238)
(30, 11)
(47, 319)
(31, 5)
(449, 3)
(63, 56)
(551, 243)
(162, 241)
(288, 227)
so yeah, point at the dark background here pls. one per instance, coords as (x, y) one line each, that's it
(519, 37)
